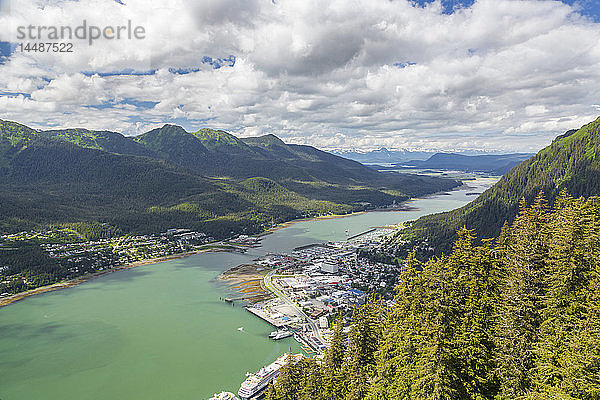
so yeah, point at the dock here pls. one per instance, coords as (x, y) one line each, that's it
(362, 233)
(309, 345)
(264, 316)
(308, 246)
(243, 298)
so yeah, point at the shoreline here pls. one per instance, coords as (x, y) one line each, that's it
(295, 221)
(76, 281)
(84, 278)
(401, 207)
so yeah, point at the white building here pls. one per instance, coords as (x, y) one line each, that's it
(323, 323)
(330, 267)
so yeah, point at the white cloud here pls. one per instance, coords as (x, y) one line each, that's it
(502, 74)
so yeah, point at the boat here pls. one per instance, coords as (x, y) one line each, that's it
(282, 334)
(258, 381)
(224, 396)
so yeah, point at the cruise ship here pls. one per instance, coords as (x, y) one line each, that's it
(259, 381)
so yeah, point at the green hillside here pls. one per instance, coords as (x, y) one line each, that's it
(112, 142)
(208, 181)
(302, 169)
(174, 144)
(55, 182)
(571, 162)
(220, 141)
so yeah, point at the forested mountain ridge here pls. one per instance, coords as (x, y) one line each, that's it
(144, 185)
(218, 153)
(571, 162)
(112, 142)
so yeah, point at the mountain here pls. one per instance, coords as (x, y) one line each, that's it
(111, 142)
(571, 163)
(383, 155)
(497, 164)
(208, 180)
(302, 169)
(218, 153)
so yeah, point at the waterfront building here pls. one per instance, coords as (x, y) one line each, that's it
(330, 267)
(323, 322)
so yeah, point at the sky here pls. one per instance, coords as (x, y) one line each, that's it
(456, 75)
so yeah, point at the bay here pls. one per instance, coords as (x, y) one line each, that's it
(161, 331)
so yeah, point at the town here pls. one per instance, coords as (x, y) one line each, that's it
(67, 255)
(309, 290)
(316, 284)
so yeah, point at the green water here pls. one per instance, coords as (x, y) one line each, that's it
(158, 331)
(306, 232)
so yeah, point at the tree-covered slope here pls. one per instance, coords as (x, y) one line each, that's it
(112, 142)
(299, 168)
(173, 143)
(51, 182)
(208, 180)
(13, 136)
(571, 162)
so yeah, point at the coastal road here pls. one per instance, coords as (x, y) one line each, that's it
(279, 292)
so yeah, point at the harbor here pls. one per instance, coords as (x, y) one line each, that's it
(312, 285)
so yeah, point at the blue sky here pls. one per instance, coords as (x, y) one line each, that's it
(589, 8)
(507, 75)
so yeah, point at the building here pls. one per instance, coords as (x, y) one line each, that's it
(329, 267)
(323, 323)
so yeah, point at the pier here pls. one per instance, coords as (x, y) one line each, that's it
(265, 316)
(308, 246)
(362, 233)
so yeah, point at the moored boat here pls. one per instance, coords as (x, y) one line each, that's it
(224, 396)
(257, 382)
(283, 335)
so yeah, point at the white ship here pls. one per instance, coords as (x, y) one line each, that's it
(280, 334)
(259, 381)
(283, 335)
(224, 396)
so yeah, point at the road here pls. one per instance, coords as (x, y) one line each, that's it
(270, 285)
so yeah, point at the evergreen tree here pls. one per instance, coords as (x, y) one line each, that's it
(313, 381)
(365, 333)
(438, 342)
(289, 383)
(477, 287)
(524, 254)
(518, 319)
(568, 364)
(335, 384)
(401, 337)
